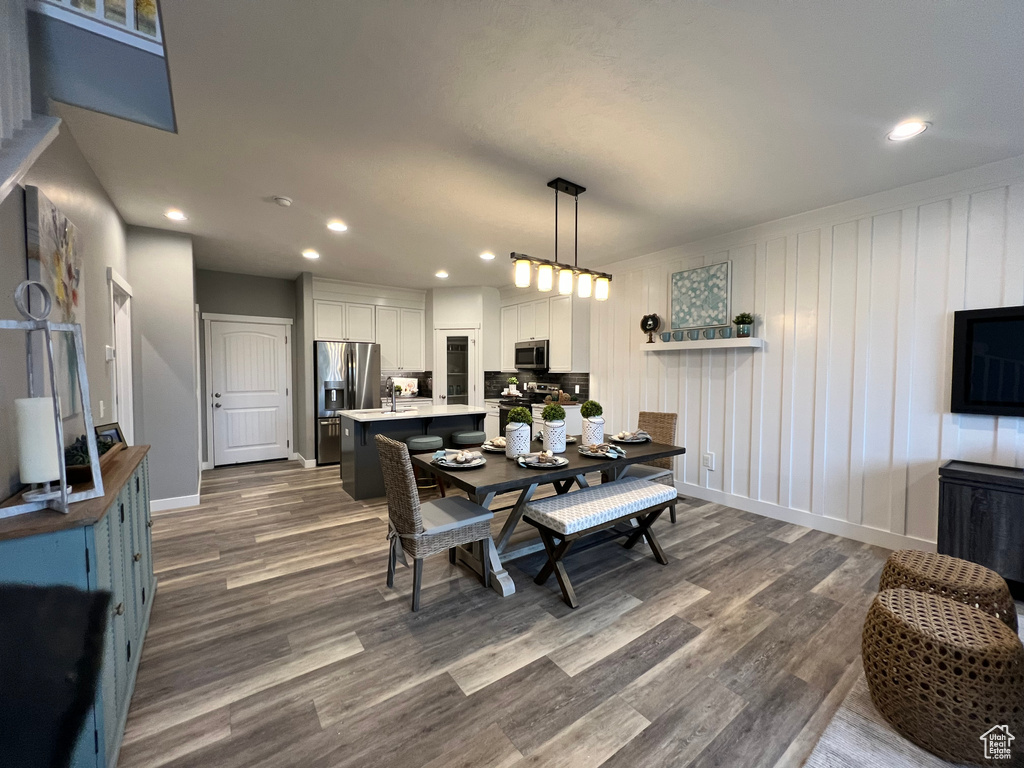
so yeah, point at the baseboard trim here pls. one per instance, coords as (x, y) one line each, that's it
(175, 502)
(842, 528)
(206, 465)
(306, 463)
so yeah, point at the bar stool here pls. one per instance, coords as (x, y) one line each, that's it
(425, 444)
(469, 439)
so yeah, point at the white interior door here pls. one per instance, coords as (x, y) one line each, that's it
(458, 375)
(249, 395)
(124, 406)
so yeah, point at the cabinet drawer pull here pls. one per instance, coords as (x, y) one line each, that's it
(149, 523)
(137, 556)
(119, 611)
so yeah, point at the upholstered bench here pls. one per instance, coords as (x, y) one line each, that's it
(563, 520)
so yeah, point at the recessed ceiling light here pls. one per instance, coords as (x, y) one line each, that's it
(337, 226)
(487, 256)
(442, 274)
(309, 253)
(908, 129)
(175, 215)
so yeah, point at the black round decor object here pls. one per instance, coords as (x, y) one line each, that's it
(650, 323)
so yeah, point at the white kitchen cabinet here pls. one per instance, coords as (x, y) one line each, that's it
(388, 321)
(534, 320)
(411, 330)
(340, 321)
(573, 419)
(492, 420)
(509, 336)
(329, 321)
(560, 344)
(359, 322)
(400, 335)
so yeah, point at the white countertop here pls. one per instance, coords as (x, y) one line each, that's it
(411, 412)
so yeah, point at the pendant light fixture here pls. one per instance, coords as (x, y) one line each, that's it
(588, 282)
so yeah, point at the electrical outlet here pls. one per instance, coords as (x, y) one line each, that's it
(708, 461)
(346, 431)
(577, 389)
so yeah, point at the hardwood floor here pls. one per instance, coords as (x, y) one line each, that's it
(275, 642)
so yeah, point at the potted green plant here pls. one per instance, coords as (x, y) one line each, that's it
(593, 422)
(513, 383)
(744, 321)
(554, 428)
(518, 432)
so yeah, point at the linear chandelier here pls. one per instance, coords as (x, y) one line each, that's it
(588, 281)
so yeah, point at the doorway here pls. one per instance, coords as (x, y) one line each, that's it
(248, 388)
(123, 411)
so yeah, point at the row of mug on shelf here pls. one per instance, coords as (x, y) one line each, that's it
(695, 333)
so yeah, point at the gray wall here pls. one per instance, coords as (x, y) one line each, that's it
(227, 293)
(302, 373)
(65, 177)
(162, 276)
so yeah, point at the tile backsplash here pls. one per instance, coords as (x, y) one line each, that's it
(423, 377)
(495, 381)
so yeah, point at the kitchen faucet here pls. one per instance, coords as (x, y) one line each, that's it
(389, 385)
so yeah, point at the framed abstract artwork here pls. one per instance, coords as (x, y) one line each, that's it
(700, 297)
(55, 260)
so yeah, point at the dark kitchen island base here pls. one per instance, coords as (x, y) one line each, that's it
(360, 465)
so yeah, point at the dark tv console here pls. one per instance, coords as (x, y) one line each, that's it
(981, 518)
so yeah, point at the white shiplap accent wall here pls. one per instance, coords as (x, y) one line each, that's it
(841, 421)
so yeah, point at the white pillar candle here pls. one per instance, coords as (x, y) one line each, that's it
(38, 461)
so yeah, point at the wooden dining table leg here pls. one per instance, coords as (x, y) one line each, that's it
(514, 516)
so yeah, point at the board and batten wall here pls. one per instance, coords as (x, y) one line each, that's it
(841, 421)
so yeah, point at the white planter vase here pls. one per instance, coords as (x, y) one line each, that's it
(593, 430)
(517, 439)
(554, 436)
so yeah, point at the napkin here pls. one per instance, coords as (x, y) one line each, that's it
(449, 455)
(639, 434)
(612, 451)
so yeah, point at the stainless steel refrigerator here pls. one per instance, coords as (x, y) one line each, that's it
(347, 378)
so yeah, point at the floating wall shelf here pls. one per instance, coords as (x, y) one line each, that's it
(673, 346)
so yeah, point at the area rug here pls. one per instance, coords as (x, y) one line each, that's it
(858, 737)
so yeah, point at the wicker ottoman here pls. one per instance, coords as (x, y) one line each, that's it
(943, 673)
(960, 580)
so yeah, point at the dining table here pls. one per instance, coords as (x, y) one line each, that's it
(501, 475)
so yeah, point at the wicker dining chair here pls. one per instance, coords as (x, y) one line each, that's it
(662, 429)
(425, 529)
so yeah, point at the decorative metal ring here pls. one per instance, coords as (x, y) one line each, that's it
(21, 294)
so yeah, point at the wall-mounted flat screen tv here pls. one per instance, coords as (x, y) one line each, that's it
(988, 361)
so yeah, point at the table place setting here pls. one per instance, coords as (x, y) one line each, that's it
(602, 451)
(569, 439)
(459, 459)
(494, 445)
(541, 460)
(639, 436)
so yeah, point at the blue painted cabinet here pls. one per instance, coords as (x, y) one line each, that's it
(106, 545)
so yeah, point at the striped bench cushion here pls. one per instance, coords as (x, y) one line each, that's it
(586, 508)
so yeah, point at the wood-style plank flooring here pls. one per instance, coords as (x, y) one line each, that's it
(275, 642)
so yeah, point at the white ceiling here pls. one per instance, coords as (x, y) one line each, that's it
(431, 128)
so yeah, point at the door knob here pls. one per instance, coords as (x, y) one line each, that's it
(216, 394)
(216, 405)
(137, 556)
(120, 609)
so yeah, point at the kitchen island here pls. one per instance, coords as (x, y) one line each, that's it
(360, 465)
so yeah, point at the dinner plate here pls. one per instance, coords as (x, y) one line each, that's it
(569, 439)
(627, 439)
(452, 465)
(584, 452)
(492, 448)
(561, 462)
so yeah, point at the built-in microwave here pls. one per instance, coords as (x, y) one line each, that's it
(532, 355)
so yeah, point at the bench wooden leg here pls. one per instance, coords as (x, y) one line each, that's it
(652, 540)
(555, 554)
(672, 512)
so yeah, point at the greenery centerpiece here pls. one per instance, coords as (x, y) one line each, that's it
(554, 428)
(593, 422)
(518, 432)
(744, 321)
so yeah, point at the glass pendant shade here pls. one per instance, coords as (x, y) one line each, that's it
(545, 277)
(522, 273)
(583, 285)
(601, 286)
(565, 282)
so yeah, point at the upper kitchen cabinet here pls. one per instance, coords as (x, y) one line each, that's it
(509, 336)
(400, 333)
(343, 321)
(534, 320)
(560, 338)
